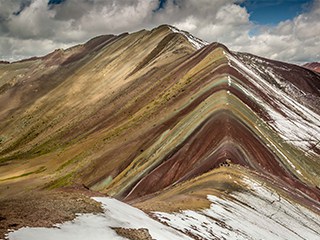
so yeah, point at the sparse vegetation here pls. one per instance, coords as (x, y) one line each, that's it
(61, 182)
(39, 170)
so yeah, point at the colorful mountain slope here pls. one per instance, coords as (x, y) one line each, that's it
(315, 66)
(167, 122)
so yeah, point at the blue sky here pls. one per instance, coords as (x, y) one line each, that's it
(273, 11)
(267, 12)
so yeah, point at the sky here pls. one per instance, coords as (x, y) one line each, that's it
(286, 30)
(268, 12)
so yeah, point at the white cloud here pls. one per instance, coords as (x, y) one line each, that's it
(296, 40)
(40, 28)
(30, 23)
(13, 49)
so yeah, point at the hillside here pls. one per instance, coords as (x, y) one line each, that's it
(198, 136)
(315, 66)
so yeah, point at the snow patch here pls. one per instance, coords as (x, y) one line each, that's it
(196, 42)
(261, 214)
(229, 81)
(99, 226)
(301, 126)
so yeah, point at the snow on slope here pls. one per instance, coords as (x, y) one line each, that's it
(301, 127)
(261, 215)
(99, 226)
(196, 42)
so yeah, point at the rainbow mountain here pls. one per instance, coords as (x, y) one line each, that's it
(211, 143)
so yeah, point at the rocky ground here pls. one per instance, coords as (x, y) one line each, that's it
(45, 208)
(134, 234)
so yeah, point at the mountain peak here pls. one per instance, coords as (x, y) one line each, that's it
(197, 43)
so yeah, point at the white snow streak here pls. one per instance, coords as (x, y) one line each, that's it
(196, 42)
(301, 126)
(262, 214)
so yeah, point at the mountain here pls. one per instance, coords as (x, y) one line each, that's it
(315, 66)
(213, 143)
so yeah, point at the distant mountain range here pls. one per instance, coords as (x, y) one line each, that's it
(315, 66)
(214, 143)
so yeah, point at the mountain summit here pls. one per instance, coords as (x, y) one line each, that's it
(215, 144)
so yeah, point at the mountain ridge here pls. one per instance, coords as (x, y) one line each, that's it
(150, 119)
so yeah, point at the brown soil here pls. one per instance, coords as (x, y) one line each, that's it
(44, 209)
(134, 234)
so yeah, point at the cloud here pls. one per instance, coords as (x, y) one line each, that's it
(296, 40)
(36, 27)
(13, 49)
